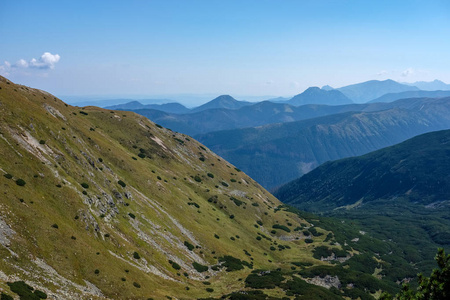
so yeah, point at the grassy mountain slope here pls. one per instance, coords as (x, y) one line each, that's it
(105, 204)
(369, 90)
(399, 193)
(278, 153)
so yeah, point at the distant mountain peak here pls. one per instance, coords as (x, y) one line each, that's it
(312, 89)
(327, 88)
(222, 101)
(316, 95)
(134, 103)
(224, 98)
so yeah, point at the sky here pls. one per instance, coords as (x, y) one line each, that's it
(243, 48)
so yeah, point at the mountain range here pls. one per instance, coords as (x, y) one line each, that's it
(172, 107)
(369, 90)
(225, 112)
(257, 114)
(411, 94)
(430, 85)
(298, 147)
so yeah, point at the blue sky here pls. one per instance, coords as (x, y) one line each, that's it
(279, 48)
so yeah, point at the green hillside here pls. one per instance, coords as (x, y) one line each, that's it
(399, 193)
(417, 169)
(101, 204)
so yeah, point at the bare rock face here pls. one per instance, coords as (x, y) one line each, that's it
(326, 282)
(5, 233)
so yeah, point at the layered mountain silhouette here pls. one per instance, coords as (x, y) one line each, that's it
(174, 107)
(411, 94)
(430, 85)
(258, 114)
(369, 90)
(278, 153)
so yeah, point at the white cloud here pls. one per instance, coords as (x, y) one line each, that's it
(382, 73)
(21, 63)
(408, 72)
(46, 61)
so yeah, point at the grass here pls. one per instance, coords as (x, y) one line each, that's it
(164, 218)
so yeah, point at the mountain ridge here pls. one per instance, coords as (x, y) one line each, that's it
(430, 85)
(298, 147)
(410, 94)
(369, 90)
(172, 107)
(401, 170)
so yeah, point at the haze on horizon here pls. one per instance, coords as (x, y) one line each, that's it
(253, 48)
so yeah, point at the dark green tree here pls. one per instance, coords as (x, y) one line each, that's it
(435, 287)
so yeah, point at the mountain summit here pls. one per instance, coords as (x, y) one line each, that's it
(327, 88)
(223, 101)
(315, 95)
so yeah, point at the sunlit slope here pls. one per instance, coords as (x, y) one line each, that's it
(105, 204)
